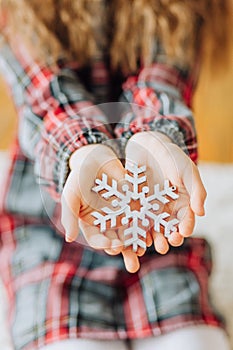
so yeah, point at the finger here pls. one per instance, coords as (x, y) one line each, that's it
(131, 260)
(70, 206)
(187, 221)
(113, 250)
(94, 237)
(149, 239)
(140, 251)
(160, 243)
(117, 244)
(195, 188)
(175, 239)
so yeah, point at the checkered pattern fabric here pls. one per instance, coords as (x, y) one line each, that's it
(58, 115)
(59, 290)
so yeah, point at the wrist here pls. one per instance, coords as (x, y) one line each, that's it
(94, 151)
(160, 136)
(146, 137)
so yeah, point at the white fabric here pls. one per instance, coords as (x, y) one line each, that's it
(217, 227)
(82, 344)
(189, 338)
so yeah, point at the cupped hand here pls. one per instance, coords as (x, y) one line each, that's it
(165, 160)
(78, 201)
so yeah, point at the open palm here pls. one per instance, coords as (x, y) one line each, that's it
(165, 160)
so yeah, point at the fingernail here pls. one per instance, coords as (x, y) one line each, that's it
(68, 239)
(202, 212)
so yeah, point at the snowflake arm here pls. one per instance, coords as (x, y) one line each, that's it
(136, 221)
(135, 180)
(111, 190)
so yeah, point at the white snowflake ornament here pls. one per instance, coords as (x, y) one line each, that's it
(122, 205)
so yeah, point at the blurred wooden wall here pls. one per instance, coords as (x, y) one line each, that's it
(8, 118)
(213, 106)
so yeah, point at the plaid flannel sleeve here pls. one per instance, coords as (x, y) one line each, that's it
(160, 99)
(56, 115)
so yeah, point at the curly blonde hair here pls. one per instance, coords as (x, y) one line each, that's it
(64, 28)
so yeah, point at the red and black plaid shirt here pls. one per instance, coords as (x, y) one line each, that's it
(52, 284)
(57, 114)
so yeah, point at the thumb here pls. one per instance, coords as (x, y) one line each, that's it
(196, 190)
(70, 207)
